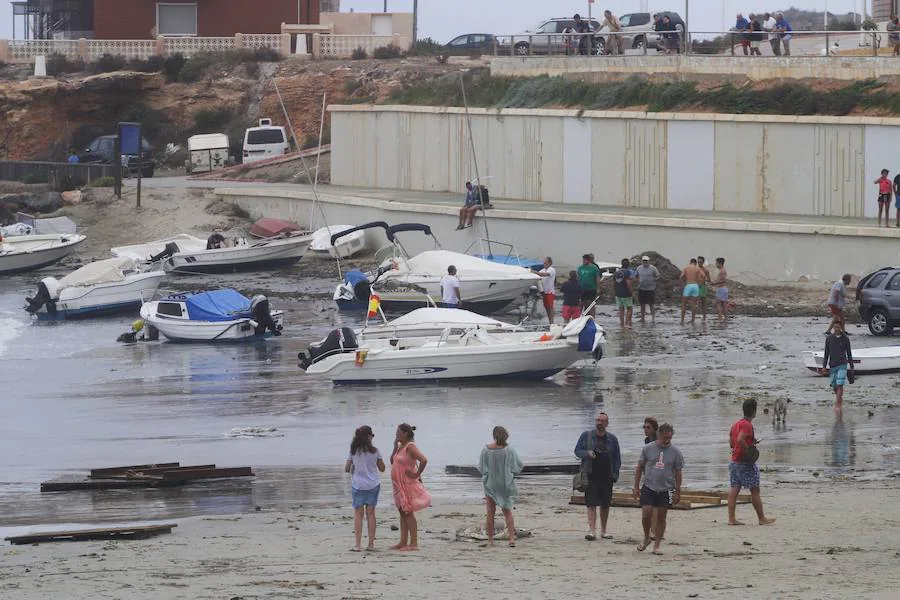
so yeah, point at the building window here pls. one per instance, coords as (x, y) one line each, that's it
(176, 19)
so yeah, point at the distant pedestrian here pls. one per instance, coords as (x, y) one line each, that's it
(885, 187)
(470, 208)
(720, 284)
(837, 360)
(410, 496)
(701, 262)
(548, 283)
(691, 277)
(742, 26)
(450, 294)
(837, 301)
(364, 463)
(756, 35)
(769, 25)
(584, 41)
(614, 43)
(601, 460)
(893, 27)
(651, 429)
(589, 276)
(742, 470)
(498, 465)
(661, 465)
(785, 32)
(669, 34)
(73, 157)
(624, 288)
(571, 291)
(897, 196)
(647, 275)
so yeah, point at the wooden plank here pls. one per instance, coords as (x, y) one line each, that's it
(76, 535)
(68, 485)
(101, 473)
(689, 500)
(188, 475)
(157, 472)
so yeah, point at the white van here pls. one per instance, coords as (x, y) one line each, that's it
(265, 141)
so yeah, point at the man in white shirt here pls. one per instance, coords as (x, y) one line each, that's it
(450, 296)
(548, 285)
(769, 27)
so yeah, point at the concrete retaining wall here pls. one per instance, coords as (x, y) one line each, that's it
(722, 163)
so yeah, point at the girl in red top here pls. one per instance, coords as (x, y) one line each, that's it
(884, 197)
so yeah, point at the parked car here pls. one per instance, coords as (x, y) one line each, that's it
(878, 294)
(540, 39)
(471, 42)
(103, 150)
(264, 142)
(637, 30)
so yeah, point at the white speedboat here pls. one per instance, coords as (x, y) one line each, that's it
(102, 287)
(432, 322)
(28, 225)
(473, 354)
(404, 283)
(30, 252)
(216, 316)
(148, 251)
(883, 359)
(348, 244)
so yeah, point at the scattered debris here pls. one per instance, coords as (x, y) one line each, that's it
(477, 533)
(253, 432)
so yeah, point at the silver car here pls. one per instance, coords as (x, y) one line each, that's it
(549, 37)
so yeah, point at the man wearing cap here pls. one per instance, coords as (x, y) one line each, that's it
(647, 276)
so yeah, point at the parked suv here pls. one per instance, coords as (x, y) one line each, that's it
(879, 300)
(637, 29)
(540, 39)
(103, 150)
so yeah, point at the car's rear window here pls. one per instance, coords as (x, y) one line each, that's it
(265, 136)
(876, 280)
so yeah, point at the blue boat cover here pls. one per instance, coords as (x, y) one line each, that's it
(354, 276)
(529, 263)
(586, 336)
(217, 305)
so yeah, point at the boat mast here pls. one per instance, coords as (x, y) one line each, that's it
(462, 85)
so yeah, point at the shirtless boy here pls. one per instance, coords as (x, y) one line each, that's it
(692, 277)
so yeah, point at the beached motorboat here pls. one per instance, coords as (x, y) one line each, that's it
(473, 354)
(268, 227)
(432, 322)
(102, 287)
(348, 244)
(30, 252)
(190, 255)
(404, 283)
(883, 359)
(216, 316)
(28, 225)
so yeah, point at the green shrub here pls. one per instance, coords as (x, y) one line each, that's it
(351, 85)
(58, 64)
(195, 67)
(153, 64)
(108, 63)
(107, 181)
(386, 52)
(359, 53)
(426, 47)
(172, 66)
(212, 120)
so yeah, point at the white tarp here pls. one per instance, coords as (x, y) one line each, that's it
(185, 243)
(102, 271)
(435, 262)
(28, 225)
(446, 316)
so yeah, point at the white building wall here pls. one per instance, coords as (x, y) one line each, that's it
(690, 165)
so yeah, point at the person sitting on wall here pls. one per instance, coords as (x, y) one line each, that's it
(467, 212)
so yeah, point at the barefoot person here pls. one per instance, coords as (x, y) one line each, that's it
(498, 465)
(624, 288)
(838, 358)
(548, 286)
(410, 496)
(691, 277)
(364, 463)
(660, 464)
(837, 300)
(601, 460)
(720, 285)
(646, 276)
(701, 262)
(743, 470)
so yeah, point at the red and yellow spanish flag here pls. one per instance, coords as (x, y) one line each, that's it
(374, 303)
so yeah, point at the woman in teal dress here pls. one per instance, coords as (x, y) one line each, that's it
(499, 464)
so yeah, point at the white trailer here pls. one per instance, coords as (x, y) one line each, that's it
(208, 152)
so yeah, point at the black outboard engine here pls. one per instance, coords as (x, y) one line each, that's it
(170, 249)
(42, 297)
(339, 340)
(262, 314)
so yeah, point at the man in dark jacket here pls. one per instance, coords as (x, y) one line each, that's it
(601, 460)
(838, 358)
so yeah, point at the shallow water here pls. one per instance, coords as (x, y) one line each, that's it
(75, 400)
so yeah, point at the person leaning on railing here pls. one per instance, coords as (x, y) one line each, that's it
(893, 28)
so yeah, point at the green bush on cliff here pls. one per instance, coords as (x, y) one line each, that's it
(212, 120)
(59, 64)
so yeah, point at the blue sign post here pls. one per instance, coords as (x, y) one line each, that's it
(130, 145)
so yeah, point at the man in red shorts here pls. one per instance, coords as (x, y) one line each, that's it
(571, 291)
(837, 300)
(548, 283)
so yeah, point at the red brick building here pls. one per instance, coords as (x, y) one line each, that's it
(145, 19)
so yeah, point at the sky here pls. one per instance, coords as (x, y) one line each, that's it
(444, 19)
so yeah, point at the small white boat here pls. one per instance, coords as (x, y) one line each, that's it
(148, 250)
(344, 247)
(28, 225)
(883, 359)
(102, 287)
(30, 252)
(474, 354)
(216, 316)
(432, 322)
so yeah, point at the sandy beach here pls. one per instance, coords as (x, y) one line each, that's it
(832, 540)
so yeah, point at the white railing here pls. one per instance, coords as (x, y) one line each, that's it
(257, 41)
(141, 49)
(342, 46)
(189, 46)
(26, 50)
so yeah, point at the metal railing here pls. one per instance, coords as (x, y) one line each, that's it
(709, 43)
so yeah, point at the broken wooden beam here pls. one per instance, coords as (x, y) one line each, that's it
(689, 500)
(107, 471)
(205, 473)
(77, 535)
(156, 472)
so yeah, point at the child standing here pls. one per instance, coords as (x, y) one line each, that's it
(363, 464)
(884, 197)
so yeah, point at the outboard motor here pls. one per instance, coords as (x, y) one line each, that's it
(47, 292)
(170, 250)
(262, 314)
(339, 340)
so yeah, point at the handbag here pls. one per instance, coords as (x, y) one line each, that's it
(580, 480)
(750, 455)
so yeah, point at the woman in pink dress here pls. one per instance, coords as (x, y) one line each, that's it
(407, 464)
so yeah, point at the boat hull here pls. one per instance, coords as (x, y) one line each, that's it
(183, 330)
(865, 360)
(391, 305)
(105, 298)
(38, 256)
(262, 255)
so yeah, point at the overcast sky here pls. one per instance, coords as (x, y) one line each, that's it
(444, 19)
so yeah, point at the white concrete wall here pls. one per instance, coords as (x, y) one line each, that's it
(729, 163)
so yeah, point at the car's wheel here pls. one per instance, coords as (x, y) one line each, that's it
(879, 322)
(148, 172)
(599, 48)
(639, 43)
(522, 49)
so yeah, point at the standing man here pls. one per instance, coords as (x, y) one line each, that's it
(769, 26)
(785, 32)
(720, 285)
(661, 464)
(835, 362)
(647, 276)
(450, 296)
(624, 284)
(584, 40)
(571, 291)
(601, 460)
(837, 300)
(651, 430)
(742, 470)
(701, 262)
(614, 39)
(548, 283)
(893, 27)
(884, 197)
(589, 277)
(897, 183)
(691, 277)
(742, 26)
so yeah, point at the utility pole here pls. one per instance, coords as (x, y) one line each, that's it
(415, 21)
(385, 5)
